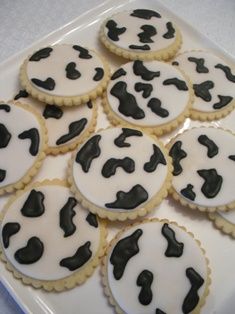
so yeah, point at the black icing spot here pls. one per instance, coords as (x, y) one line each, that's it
(52, 111)
(22, 94)
(129, 200)
(140, 47)
(145, 14)
(120, 140)
(156, 159)
(145, 280)
(175, 63)
(2, 175)
(41, 54)
(110, 166)
(155, 105)
(174, 248)
(140, 70)
(191, 300)
(113, 31)
(89, 104)
(127, 102)
(188, 192)
(148, 32)
(99, 74)
(5, 136)
(170, 31)
(75, 128)
(123, 251)
(71, 72)
(177, 153)
(92, 220)
(158, 311)
(5, 107)
(179, 84)
(88, 152)
(227, 71)
(84, 53)
(33, 206)
(200, 64)
(212, 184)
(33, 135)
(212, 148)
(202, 90)
(145, 88)
(82, 255)
(232, 157)
(48, 84)
(223, 101)
(66, 217)
(8, 230)
(31, 253)
(120, 72)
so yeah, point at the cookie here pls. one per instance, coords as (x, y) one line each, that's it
(141, 34)
(213, 83)
(67, 126)
(23, 141)
(64, 75)
(224, 221)
(48, 240)
(120, 173)
(160, 266)
(152, 95)
(204, 163)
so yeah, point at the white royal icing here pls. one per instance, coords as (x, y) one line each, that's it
(47, 228)
(229, 216)
(170, 284)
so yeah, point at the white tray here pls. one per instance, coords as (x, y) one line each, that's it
(89, 298)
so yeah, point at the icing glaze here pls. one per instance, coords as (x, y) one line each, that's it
(228, 216)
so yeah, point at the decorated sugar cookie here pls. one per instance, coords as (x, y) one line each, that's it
(149, 94)
(141, 34)
(48, 240)
(204, 163)
(120, 173)
(67, 126)
(64, 74)
(23, 141)
(224, 221)
(213, 83)
(160, 266)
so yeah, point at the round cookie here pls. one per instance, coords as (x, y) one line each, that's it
(141, 34)
(152, 95)
(213, 83)
(160, 266)
(64, 74)
(110, 176)
(224, 221)
(48, 240)
(67, 126)
(204, 163)
(23, 140)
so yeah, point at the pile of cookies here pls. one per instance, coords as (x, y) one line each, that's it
(53, 233)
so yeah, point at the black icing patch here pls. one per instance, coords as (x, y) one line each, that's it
(227, 71)
(155, 105)
(5, 107)
(156, 159)
(202, 90)
(179, 84)
(145, 280)
(2, 174)
(66, 217)
(145, 14)
(212, 184)
(140, 47)
(200, 64)
(41, 54)
(33, 136)
(71, 72)
(22, 94)
(120, 72)
(191, 300)
(48, 84)
(83, 52)
(177, 153)
(175, 63)
(188, 192)
(145, 88)
(170, 31)
(33, 206)
(232, 157)
(88, 152)
(52, 111)
(113, 31)
(120, 140)
(127, 102)
(129, 200)
(5, 136)
(75, 128)
(140, 70)
(123, 251)
(111, 165)
(158, 311)
(92, 220)
(31, 253)
(82, 255)
(223, 101)
(8, 230)
(99, 74)
(174, 248)
(89, 104)
(148, 32)
(212, 148)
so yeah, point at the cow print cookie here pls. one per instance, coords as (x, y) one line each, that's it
(203, 162)
(149, 94)
(67, 126)
(213, 83)
(64, 75)
(224, 221)
(23, 141)
(141, 34)
(120, 173)
(160, 266)
(48, 240)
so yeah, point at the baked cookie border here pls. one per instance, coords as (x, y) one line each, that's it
(222, 224)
